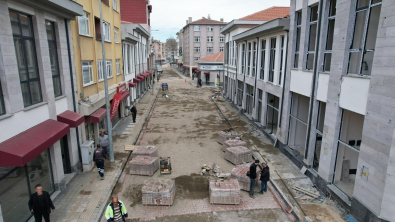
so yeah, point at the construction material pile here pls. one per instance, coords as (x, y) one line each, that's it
(224, 191)
(226, 135)
(144, 165)
(158, 192)
(145, 151)
(240, 173)
(233, 143)
(238, 155)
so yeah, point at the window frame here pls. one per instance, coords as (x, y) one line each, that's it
(210, 49)
(311, 23)
(272, 59)
(109, 68)
(210, 28)
(196, 58)
(248, 55)
(84, 16)
(90, 67)
(196, 49)
(243, 46)
(196, 28)
(115, 5)
(2, 104)
(221, 38)
(53, 41)
(196, 38)
(328, 52)
(116, 35)
(298, 31)
(282, 45)
(263, 60)
(254, 58)
(106, 30)
(118, 66)
(100, 71)
(210, 38)
(221, 48)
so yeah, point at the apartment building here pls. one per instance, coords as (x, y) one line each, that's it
(159, 50)
(180, 41)
(335, 112)
(40, 133)
(201, 38)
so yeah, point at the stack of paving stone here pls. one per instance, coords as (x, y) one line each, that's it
(233, 143)
(226, 135)
(224, 192)
(238, 155)
(144, 165)
(158, 192)
(240, 173)
(145, 151)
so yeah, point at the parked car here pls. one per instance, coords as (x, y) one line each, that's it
(159, 69)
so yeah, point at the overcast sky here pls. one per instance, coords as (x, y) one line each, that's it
(169, 16)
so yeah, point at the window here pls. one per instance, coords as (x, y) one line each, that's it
(97, 29)
(319, 132)
(367, 16)
(221, 38)
(115, 4)
(329, 37)
(263, 60)
(209, 39)
(312, 37)
(106, 30)
(240, 91)
(254, 60)
(109, 68)
(227, 53)
(25, 50)
(249, 58)
(87, 72)
(220, 27)
(53, 56)
(272, 59)
(209, 49)
(197, 38)
(83, 24)
(100, 70)
(242, 58)
(2, 106)
(249, 99)
(196, 49)
(221, 49)
(281, 60)
(118, 66)
(197, 28)
(272, 107)
(209, 28)
(298, 30)
(197, 58)
(116, 37)
(259, 111)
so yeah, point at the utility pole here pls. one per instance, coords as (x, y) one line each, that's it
(109, 125)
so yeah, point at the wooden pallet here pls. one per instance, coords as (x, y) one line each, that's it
(130, 147)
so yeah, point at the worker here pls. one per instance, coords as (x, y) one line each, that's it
(253, 177)
(104, 142)
(116, 211)
(265, 176)
(133, 110)
(99, 156)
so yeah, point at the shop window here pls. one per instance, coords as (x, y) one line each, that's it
(297, 130)
(2, 106)
(349, 144)
(297, 42)
(367, 16)
(329, 37)
(263, 59)
(312, 37)
(254, 59)
(281, 60)
(259, 112)
(242, 58)
(83, 24)
(319, 133)
(240, 93)
(53, 55)
(272, 59)
(25, 50)
(249, 99)
(272, 104)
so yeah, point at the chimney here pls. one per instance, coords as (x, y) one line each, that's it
(221, 19)
(190, 19)
(187, 22)
(208, 16)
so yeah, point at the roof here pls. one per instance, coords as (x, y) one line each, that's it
(275, 25)
(268, 14)
(207, 21)
(217, 57)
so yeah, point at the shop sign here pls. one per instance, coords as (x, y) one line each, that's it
(211, 67)
(114, 106)
(121, 88)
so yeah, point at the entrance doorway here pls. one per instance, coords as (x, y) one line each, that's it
(207, 78)
(273, 103)
(65, 155)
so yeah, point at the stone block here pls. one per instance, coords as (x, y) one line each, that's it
(238, 155)
(158, 192)
(151, 151)
(233, 143)
(224, 192)
(144, 165)
(226, 135)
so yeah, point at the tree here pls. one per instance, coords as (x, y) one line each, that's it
(171, 44)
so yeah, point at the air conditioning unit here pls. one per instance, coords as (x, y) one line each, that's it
(87, 150)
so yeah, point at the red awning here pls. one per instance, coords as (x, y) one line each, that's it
(135, 80)
(141, 77)
(71, 118)
(24, 147)
(125, 95)
(194, 68)
(97, 116)
(131, 85)
(207, 72)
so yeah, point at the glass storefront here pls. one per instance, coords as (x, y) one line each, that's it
(17, 184)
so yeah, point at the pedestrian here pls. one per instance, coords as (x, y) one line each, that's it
(265, 176)
(199, 83)
(99, 156)
(40, 204)
(157, 77)
(104, 142)
(133, 110)
(36, 164)
(253, 177)
(116, 211)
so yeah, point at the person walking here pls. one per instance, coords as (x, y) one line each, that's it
(99, 156)
(133, 110)
(104, 142)
(116, 211)
(265, 176)
(40, 204)
(253, 177)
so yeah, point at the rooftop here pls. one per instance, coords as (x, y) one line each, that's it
(268, 14)
(207, 21)
(217, 57)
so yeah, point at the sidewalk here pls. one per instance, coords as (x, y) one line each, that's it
(86, 195)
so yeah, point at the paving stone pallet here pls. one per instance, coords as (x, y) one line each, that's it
(151, 151)
(158, 192)
(233, 143)
(226, 135)
(144, 165)
(238, 155)
(224, 192)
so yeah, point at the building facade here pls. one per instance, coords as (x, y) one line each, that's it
(334, 113)
(40, 136)
(211, 69)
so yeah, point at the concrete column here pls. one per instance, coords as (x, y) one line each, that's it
(57, 166)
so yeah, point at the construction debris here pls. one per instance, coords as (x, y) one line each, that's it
(238, 155)
(240, 173)
(165, 95)
(220, 120)
(158, 192)
(233, 143)
(224, 192)
(144, 165)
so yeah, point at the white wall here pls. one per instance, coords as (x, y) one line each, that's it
(322, 90)
(311, 2)
(61, 105)
(298, 5)
(354, 94)
(301, 82)
(22, 121)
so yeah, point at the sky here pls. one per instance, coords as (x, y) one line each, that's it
(169, 16)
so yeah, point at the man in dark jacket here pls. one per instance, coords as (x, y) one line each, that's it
(253, 177)
(99, 155)
(265, 176)
(40, 204)
(133, 110)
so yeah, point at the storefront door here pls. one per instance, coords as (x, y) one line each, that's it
(65, 155)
